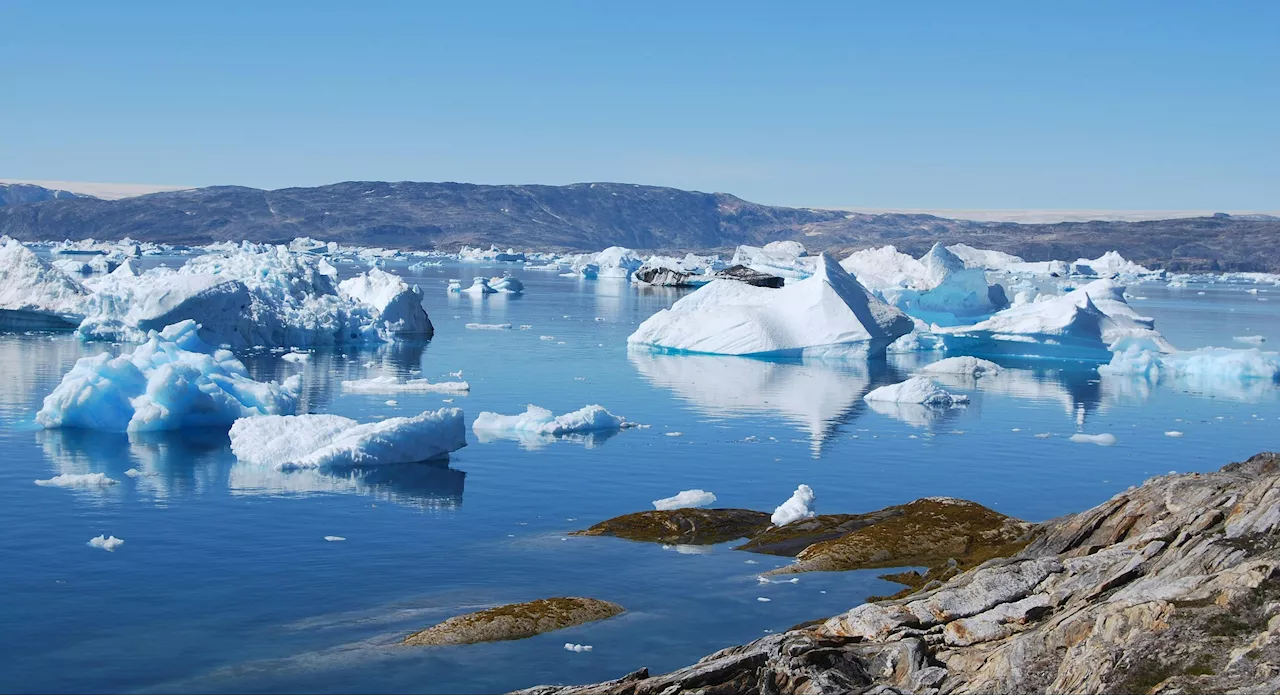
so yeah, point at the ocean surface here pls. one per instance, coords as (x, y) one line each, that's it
(226, 582)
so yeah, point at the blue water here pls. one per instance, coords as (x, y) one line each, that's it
(225, 582)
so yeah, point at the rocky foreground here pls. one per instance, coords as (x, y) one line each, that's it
(1171, 587)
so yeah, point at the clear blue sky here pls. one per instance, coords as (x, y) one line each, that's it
(1136, 105)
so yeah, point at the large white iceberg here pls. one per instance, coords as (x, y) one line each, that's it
(826, 315)
(320, 441)
(399, 305)
(1137, 357)
(33, 294)
(938, 284)
(172, 381)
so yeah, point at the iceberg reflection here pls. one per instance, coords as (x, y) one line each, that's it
(815, 396)
(425, 485)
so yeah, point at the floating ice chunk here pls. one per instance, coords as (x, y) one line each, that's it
(317, 441)
(685, 499)
(34, 295)
(489, 326)
(1099, 439)
(918, 390)
(762, 599)
(798, 506)
(570, 646)
(170, 382)
(506, 285)
(1255, 339)
(334, 539)
(107, 543)
(399, 306)
(390, 384)
(674, 434)
(785, 259)
(1173, 433)
(546, 337)
(984, 259)
(296, 357)
(1141, 358)
(479, 286)
(826, 315)
(79, 480)
(966, 366)
(535, 420)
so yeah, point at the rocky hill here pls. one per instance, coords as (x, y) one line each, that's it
(1171, 587)
(19, 193)
(591, 216)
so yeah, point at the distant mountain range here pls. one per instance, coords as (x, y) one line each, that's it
(592, 216)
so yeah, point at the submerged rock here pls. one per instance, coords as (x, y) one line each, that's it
(515, 621)
(1172, 587)
(688, 526)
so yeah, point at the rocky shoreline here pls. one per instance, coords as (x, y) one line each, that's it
(1170, 587)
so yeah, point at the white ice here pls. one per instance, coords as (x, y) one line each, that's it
(78, 480)
(1099, 439)
(916, 390)
(939, 285)
(685, 499)
(33, 294)
(540, 421)
(965, 366)
(826, 315)
(399, 306)
(489, 326)
(391, 384)
(319, 441)
(172, 381)
(107, 543)
(798, 506)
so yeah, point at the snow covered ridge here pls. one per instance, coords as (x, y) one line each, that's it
(826, 315)
(286, 442)
(172, 381)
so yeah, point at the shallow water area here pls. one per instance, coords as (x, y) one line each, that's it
(226, 582)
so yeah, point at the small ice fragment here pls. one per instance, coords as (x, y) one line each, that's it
(525, 326)
(296, 357)
(489, 326)
(798, 506)
(546, 337)
(674, 434)
(1099, 439)
(456, 375)
(684, 500)
(762, 599)
(78, 480)
(1044, 435)
(135, 473)
(1173, 433)
(751, 562)
(334, 539)
(1016, 429)
(446, 400)
(107, 543)
(1252, 339)
(571, 647)
(393, 402)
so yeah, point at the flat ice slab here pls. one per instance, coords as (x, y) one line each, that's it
(318, 441)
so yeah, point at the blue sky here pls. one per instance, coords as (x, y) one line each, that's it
(1158, 105)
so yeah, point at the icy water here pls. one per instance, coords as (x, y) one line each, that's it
(226, 583)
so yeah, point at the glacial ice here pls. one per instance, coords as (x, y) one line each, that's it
(826, 315)
(1099, 439)
(286, 442)
(785, 259)
(506, 284)
(399, 305)
(965, 366)
(1138, 357)
(78, 480)
(798, 506)
(172, 381)
(540, 421)
(917, 390)
(685, 499)
(391, 384)
(33, 294)
(479, 286)
(938, 286)
(107, 543)
(489, 326)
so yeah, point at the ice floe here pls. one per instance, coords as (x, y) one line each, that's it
(1205, 365)
(916, 390)
(323, 441)
(685, 499)
(826, 315)
(964, 366)
(489, 326)
(107, 543)
(1099, 439)
(798, 506)
(89, 480)
(391, 384)
(540, 421)
(172, 381)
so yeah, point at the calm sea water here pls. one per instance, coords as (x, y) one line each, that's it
(225, 581)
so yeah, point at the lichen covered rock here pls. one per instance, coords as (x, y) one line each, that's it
(515, 621)
(688, 526)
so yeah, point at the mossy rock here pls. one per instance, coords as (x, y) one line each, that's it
(792, 539)
(682, 526)
(927, 532)
(515, 621)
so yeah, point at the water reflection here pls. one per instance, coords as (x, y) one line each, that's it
(425, 485)
(165, 464)
(31, 365)
(817, 397)
(533, 440)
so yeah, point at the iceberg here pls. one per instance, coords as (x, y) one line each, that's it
(479, 286)
(685, 499)
(984, 259)
(1099, 439)
(172, 381)
(1205, 366)
(107, 543)
(785, 259)
(390, 384)
(965, 366)
(939, 283)
(78, 480)
(399, 306)
(916, 390)
(506, 285)
(34, 295)
(535, 420)
(798, 506)
(826, 315)
(287, 442)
